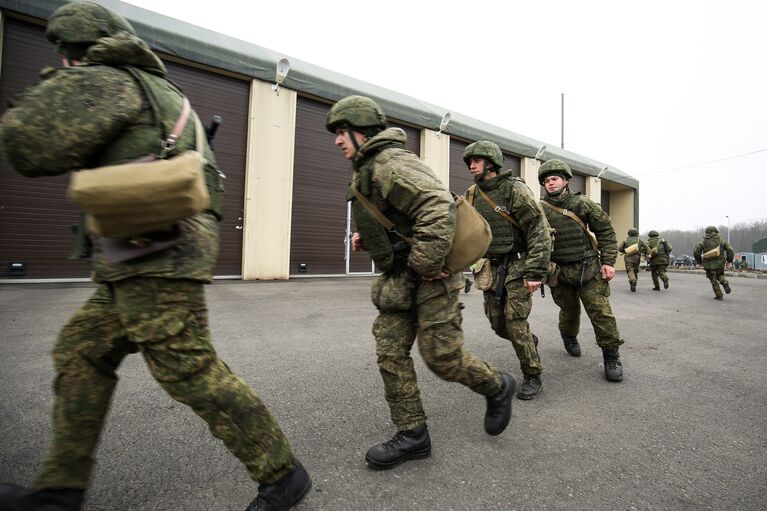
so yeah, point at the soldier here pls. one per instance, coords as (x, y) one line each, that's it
(112, 103)
(657, 254)
(712, 252)
(414, 296)
(585, 264)
(519, 254)
(632, 249)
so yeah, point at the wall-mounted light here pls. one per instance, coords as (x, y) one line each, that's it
(283, 66)
(604, 169)
(444, 122)
(539, 153)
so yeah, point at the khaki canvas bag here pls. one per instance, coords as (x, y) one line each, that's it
(472, 232)
(713, 253)
(150, 194)
(633, 249)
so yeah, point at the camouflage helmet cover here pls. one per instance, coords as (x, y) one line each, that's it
(551, 167)
(653, 234)
(711, 229)
(356, 111)
(633, 232)
(84, 23)
(484, 149)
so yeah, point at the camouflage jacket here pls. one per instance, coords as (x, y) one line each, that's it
(533, 234)
(636, 257)
(710, 242)
(404, 189)
(75, 118)
(593, 216)
(662, 250)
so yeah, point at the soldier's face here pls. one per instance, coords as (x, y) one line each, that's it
(344, 141)
(554, 184)
(477, 166)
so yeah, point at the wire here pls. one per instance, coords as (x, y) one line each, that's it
(703, 163)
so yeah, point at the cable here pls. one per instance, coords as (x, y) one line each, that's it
(701, 164)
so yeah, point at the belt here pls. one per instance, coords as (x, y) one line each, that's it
(513, 256)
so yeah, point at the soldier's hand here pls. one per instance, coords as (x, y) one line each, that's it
(532, 285)
(357, 245)
(608, 272)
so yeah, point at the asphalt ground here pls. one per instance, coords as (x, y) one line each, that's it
(685, 429)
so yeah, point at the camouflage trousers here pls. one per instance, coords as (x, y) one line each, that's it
(716, 277)
(435, 321)
(509, 320)
(166, 320)
(632, 271)
(658, 271)
(594, 293)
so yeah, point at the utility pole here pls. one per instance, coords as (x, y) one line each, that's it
(728, 229)
(563, 121)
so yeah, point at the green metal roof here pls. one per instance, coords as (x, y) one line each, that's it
(197, 44)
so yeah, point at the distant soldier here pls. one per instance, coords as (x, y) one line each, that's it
(712, 252)
(743, 264)
(658, 253)
(519, 254)
(632, 249)
(586, 265)
(415, 297)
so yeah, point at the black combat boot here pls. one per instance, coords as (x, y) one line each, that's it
(613, 367)
(18, 498)
(413, 444)
(633, 287)
(665, 284)
(656, 288)
(284, 493)
(530, 388)
(571, 345)
(718, 297)
(726, 287)
(498, 412)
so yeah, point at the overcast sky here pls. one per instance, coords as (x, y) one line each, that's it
(655, 88)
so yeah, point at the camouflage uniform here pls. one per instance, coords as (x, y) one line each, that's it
(527, 249)
(398, 183)
(95, 114)
(579, 264)
(715, 267)
(658, 252)
(632, 260)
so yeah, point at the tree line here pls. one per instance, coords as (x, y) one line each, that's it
(742, 236)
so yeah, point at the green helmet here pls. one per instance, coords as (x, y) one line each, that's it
(358, 112)
(653, 234)
(711, 229)
(633, 232)
(551, 167)
(83, 23)
(484, 149)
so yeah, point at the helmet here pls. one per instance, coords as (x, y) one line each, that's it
(653, 234)
(484, 149)
(712, 230)
(84, 23)
(357, 112)
(551, 167)
(633, 232)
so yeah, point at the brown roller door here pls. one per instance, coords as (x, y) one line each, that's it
(213, 94)
(35, 215)
(320, 179)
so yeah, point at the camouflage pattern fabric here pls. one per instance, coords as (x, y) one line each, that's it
(658, 272)
(716, 277)
(632, 261)
(509, 320)
(632, 271)
(436, 322)
(709, 241)
(396, 180)
(594, 294)
(166, 320)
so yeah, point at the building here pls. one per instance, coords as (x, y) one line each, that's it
(286, 210)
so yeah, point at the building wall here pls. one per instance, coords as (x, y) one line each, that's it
(622, 206)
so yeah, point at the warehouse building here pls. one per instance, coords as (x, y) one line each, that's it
(285, 202)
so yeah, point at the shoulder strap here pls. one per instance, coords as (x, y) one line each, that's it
(501, 210)
(569, 214)
(470, 194)
(380, 217)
